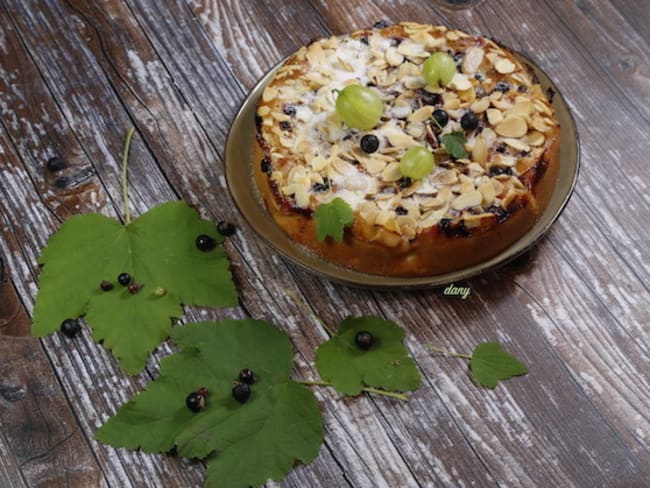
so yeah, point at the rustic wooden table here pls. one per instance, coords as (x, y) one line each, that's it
(74, 75)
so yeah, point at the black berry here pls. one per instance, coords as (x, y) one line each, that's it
(247, 376)
(440, 117)
(502, 86)
(241, 392)
(363, 340)
(124, 279)
(285, 125)
(195, 401)
(106, 285)
(134, 288)
(445, 226)
(382, 24)
(469, 121)
(499, 170)
(205, 243)
(404, 182)
(430, 98)
(478, 76)
(289, 110)
(226, 228)
(321, 187)
(369, 143)
(499, 212)
(266, 166)
(401, 210)
(70, 327)
(55, 164)
(364, 40)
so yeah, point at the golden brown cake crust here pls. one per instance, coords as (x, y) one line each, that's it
(467, 210)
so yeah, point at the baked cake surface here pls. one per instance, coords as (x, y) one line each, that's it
(466, 209)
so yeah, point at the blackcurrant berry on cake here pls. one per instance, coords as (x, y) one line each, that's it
(469, 121)
(247, 376)
(369, 143)
(124, 279)
(70, 327)
(241, 392)
(440, 117)
(363, 340)
(205, 243)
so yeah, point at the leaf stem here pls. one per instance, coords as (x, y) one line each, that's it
(444, 352)
(307, 309)
(375, 391)
(125, 188)
(392, 394)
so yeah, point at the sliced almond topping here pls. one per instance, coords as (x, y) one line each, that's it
(315, 54)
(391, 172)
(421, 114)
(542, 107)
(517, 144)
(452, 36)
(375, 166)
(488, 193)
(467, 187)
(494, 116)
(460, 82)
(473, 59)
(513, 126)
(414, 83)
(467, 200)
(498, 186)
(524, 108)
(393, 58)
(507, 200)
(480, 106)
(535, 138)
(480, 150)
(269, 93)
(489, 135)
(263, 110)
(399, 139)
(504, 66)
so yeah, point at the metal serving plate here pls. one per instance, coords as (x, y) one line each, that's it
(241, 183)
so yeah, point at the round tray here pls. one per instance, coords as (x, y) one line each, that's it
(241, 183)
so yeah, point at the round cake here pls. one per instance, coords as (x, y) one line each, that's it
(405, 150)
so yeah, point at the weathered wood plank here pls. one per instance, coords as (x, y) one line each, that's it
(85, 110)
(178, 72)
(41, 441)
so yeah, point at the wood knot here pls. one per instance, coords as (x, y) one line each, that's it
(12, 393)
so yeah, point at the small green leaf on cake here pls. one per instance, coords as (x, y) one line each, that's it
(455, 144)
(332, 218)
(490, 364)
(367, 352)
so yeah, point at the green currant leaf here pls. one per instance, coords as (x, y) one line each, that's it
(386, 364)
(455, 144)
(243, 443)
(490, 364)
(332, 218)
(158, 250)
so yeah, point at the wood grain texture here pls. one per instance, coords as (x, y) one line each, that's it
(75, 75)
